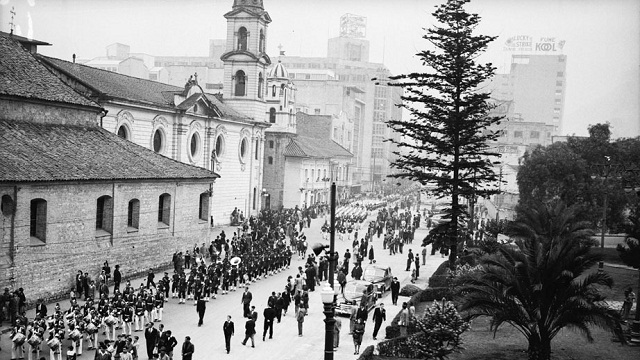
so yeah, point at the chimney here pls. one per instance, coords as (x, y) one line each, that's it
(74, 58)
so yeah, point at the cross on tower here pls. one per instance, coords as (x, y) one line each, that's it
(12, 25)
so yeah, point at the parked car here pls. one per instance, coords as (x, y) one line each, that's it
(356, 292)
(379, 276)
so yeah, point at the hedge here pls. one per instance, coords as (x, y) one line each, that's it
(440, 277)
(410, 290)
(367, 353)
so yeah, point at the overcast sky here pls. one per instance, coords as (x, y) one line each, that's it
(602, 37)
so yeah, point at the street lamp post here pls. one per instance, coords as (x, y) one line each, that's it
(327, 294)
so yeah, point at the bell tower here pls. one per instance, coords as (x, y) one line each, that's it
(246, 61)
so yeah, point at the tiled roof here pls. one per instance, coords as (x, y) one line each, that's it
(24, 76)
(48, 152)
(313, 125)
(113, 85)
(320, 147)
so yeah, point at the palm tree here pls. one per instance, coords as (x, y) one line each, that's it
(541, 286)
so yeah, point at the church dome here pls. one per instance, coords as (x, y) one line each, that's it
(279, 71)
(248, 3)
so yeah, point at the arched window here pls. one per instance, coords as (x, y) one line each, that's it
(272, 115)
(204, 206)
(104, 213)
(282, 90)
(123, 132)
(260, 85)
(273, 91)
(164, 210)
(38, 219)
(133, 214)
(242, 38)
(261, 48)
(195, 146)
(220, 146)
(240, 83)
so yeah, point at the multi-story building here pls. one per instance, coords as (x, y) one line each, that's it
(536, 87)
(322, 84)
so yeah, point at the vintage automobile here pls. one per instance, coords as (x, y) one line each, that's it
(356, 292)
(379, 276)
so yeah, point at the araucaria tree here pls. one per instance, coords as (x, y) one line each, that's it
(445, 143)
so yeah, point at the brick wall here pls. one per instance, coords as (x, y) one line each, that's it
(72, 243)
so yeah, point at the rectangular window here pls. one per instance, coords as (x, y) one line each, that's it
(535, 134)
(38, 226)
(254, 198)
(164, 209)
(560, 74)
(316, 111)
(517, 134)
(203, 209)
(558, 92)
(270, 144)
(558, 83)
(133, 214)
(257, 148)
(381, 91)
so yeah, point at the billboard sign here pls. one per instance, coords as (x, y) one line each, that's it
(530, 44)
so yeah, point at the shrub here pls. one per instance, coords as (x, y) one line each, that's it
(397, 347)
(437, 281)
(409, 290)
(392, 332)
(439, 332)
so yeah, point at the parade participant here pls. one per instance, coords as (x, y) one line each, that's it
(18, 337)
(159, 302)
(228, 330)
(249, 331)
(127, 318)
(54, 344)
(187, 349)
(379, 315)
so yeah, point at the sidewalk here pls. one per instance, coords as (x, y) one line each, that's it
(5, 327)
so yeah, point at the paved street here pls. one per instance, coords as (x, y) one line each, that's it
(209, 340)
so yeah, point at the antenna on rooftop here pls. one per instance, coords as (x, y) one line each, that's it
(12, 25)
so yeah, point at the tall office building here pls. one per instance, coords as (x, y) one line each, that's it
(342, 83)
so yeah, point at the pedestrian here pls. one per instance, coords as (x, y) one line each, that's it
(395, 291)
(152, 336)
(246, 301)
(424, 255)
(117, 279)
(409, 259)
(342, 280)
(229, 331)
(201, 307)
(249, 331)
(629, 298)
(337, 325)
(352, 319)
(379, 315)
(269, 314)
(107, 272)
(358, 331)
(362, 313)
(417, 267)
(187, 349)
(371, 255)
(356, 272)
(300, 318)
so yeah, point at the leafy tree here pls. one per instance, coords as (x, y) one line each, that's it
(564, 171)
(448, 130)
(542, 286)
(439, 332)
(630, 254)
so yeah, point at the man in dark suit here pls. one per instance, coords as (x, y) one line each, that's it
(228, 330)
(249, 331)
(201, 307)
(117, 278)
(152, 336)
(379, 315)
(269, 314)
(395, 291)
